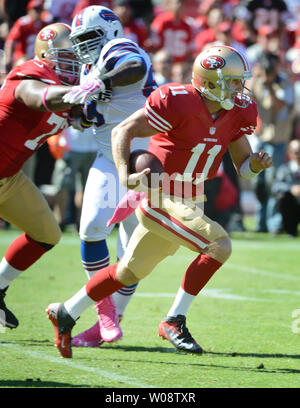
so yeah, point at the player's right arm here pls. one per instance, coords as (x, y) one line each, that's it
(39, 96)
(156, 116)
(123, 65)
(135, 126)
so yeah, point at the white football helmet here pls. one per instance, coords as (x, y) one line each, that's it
(53, 44)
(91, 30)
(216, 71)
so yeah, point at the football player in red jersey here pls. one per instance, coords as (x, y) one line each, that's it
(172, 31)
(31, 110)
(191, 126)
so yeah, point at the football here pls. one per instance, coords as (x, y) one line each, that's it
(142, 159)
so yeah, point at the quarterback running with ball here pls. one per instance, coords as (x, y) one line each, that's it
(191, 127)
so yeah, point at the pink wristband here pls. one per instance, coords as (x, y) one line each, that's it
(44, 99)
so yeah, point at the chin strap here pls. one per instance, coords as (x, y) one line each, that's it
(227, 104)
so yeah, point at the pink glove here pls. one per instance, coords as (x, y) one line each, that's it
(81, 93)
(126, 206)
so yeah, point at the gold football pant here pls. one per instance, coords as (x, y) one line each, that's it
(161, 231)
(23, 205)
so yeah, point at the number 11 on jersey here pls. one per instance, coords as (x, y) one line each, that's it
(197, 151)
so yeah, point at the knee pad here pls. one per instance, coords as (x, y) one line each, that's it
(220, 249)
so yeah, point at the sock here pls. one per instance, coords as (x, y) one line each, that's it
(20, 255)
(181, 303)
(7, 273)
(199, 273)
(78, 303)
(94, 256)
(196, 276)
(122, 297)
(103, 283)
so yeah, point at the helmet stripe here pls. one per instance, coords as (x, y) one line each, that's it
(78, 20)
(66, 25)
(245, 62)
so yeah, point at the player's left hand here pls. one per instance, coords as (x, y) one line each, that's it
(260, 161)
(81, 93)
(138, 181)
(77, 118)
(79, 123)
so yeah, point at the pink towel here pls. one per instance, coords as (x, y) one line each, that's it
(126, 206)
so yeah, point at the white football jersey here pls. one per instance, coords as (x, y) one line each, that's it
(125, 99)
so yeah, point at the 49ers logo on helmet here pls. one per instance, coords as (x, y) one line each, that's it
(47, 34)
(213, 62)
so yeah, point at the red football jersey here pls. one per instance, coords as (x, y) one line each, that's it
(23, 130)
(190, 144)
(174, 36)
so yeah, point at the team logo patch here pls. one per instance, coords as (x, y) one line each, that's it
(213, 62)
(108, 15)
(47, 34)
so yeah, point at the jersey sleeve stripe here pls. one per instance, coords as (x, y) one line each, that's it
(155, 123)
(47, 81)
(114, 56)
(150, 117)
(157, 117)
(120, 47)
(121, 51)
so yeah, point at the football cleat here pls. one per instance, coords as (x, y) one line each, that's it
(175, 331)
(63, 324)
(110, 329)
(7, 318)
(89, 338)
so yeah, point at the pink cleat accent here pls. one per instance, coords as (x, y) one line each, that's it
(110, 329)
(88, 338)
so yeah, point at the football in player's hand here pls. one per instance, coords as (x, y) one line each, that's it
(140, 160)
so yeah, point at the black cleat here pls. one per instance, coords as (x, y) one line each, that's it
(7, 318)
(175, 331)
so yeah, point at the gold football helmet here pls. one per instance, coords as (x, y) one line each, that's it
(219, 73)
(52, 43)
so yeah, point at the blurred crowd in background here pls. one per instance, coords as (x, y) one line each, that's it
(267, 32)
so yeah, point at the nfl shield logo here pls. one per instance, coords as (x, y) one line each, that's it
(212, 130)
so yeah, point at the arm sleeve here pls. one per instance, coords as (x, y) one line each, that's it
(161, 110)
(120, 53)
(249, 121)
(35, 69)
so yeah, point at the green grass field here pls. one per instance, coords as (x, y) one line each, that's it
(243, 319)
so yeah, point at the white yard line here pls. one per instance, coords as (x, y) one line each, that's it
(278, 246)
(212, 293)
(283, 292)
(258, 271)
(71, 363)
